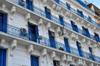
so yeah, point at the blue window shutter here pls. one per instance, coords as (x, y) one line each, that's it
(97, 37)
(61, 20)
(67, 45)
(57, 1)
(2, 57)
(79, 49)
(52, 40)
(37, 33)
(5, 23)
(81, 14)
(90, 50)
(72, 25)
(31, 5)
(34, 61)
(48, 15)
(88, 34)
(76, 28)
(0, 23)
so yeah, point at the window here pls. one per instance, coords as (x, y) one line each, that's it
(72, 65)
(2, 57)
(34, 61)
(33, 32)
(89, 17)
(79, 49)
(96, 37)
(68, 4)
(52, 39)
(56, 63)
(48, 13)
(3, 22)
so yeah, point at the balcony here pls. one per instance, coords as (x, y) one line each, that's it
(15, 31)
(53, 18)
(84, 5)
(76, 12)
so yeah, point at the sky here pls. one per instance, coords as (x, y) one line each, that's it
(95, 2)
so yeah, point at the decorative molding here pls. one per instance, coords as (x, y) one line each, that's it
(44, 1)
(83, 40)
(82, 22)
(91, 64)
(30, 49)
(28, 16)
(77, 19)
(40, 22)
(79, 62)
(53, 56)
(84, 63)
(64, 58)
(88, 25)
(3, 6)
(13, 10)
(69, 59)
(44, 52)
(53, 6)
(62, 13)
(88, 42)
(58, 9)
(3, 41)
(48, 25)
(58, 29)
(13, 46)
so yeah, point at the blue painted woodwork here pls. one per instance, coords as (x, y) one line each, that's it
(79, 49)
(2, 57)
(67, 45)
(34, 61)
(52, 40)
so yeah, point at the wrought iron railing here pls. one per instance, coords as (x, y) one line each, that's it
(54, 18)
(16, 32)
(76, 12)
(84, 5)
(24, 34)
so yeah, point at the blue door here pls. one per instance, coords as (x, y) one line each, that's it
(91, 56)
(74, 27)
(29, 4)
(67, 45)
(52, 40)
(3, 22)
(34, 61)
(2, 57)
(33, 32)
(57, 1)
(79, 49)
(48, 15)
(61, 20)
(87, 31)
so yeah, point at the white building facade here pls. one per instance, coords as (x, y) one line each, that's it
(48, 33)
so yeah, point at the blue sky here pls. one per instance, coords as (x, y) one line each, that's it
(95, 2)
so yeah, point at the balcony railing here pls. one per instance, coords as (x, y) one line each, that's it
(53, 18)
(76, 12)
(15, 31)
(84, 5)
